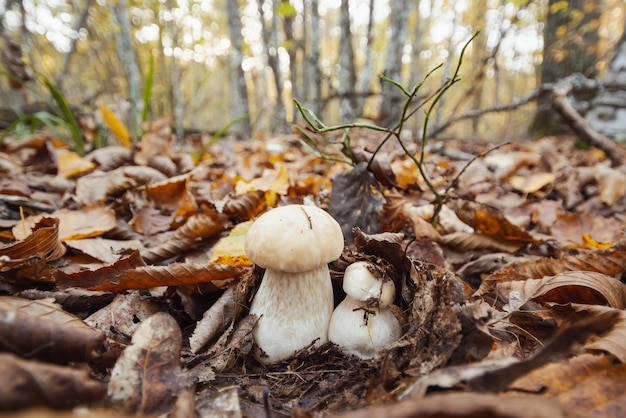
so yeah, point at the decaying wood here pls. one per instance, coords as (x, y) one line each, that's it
(563, 105)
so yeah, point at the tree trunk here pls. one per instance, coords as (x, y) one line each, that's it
(366, 72)
(314, 59)
(238, 89)
(390, 106)
(128, 57)
(82, 23)
(177, 102)
(608, 109)
(347, 76)
(570, 46)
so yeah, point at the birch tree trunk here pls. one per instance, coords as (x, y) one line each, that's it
(570, 46)
(270, 45)
(82, 23)
(176, 97)
(238, 89)
(347, 76)
(274, 61)
(315, 83)
(389, 110)
(127, 56)
(366, 73)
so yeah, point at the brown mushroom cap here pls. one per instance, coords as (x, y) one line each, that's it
(294, 238)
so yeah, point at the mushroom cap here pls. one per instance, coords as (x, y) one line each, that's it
(360, 283)
(294, 238)
(362, 337)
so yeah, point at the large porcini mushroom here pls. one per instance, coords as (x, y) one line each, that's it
(294, 302)
(362, 323)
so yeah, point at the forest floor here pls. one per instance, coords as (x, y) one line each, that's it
(125, 286)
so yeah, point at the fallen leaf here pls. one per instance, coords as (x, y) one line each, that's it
(25, 384)
(147, 377)
(41, 329)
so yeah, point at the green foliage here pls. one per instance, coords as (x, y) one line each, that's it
(285, 9)
(63, 122)
(147, 89)
(317, 126)
(199, 153)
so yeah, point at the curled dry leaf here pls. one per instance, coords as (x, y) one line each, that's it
(246, 206)
(464, 242)
(175, 274)
(611, 184)
(608, 262)
(613, 342)
(197, 227)
(96, 187)
(102, 276)
(147, 377)
(42, 241)
(41, 329)
(25, 384)
(489, 220)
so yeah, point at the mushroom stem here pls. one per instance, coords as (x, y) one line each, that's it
(294, 310)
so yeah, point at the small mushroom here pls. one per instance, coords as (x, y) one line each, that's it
(294, 302)
(363, 322)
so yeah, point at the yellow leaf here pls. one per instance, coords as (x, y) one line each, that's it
(70, 164)
(230, 250)
(116, 126)
(595, 244)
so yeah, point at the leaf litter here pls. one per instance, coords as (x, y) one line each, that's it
(129, 263)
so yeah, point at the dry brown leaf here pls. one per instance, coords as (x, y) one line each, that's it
(96, 187)
(532, 183)
(122, 316)
(172, 194)
(590, 384)
(156, 141)
(613, 343)
(87, 222)
(147, 377)
(609, 262)
(489, 221)
(25, 384)
(584, 287)
(275, 180)
(41, 329)
(43, 241)
(105, 275)
(105, 250)
(466, 405)
(246, 206)
(463, 241)
(197, 227)
(611, 184)
(214, 321)
(175, 274)
(71, 165)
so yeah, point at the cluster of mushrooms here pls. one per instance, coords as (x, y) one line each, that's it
(294, 302)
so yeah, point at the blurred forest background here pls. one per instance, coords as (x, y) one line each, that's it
(211, 62)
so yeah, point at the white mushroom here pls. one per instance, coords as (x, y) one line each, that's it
(294, 302)
(363, 322)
